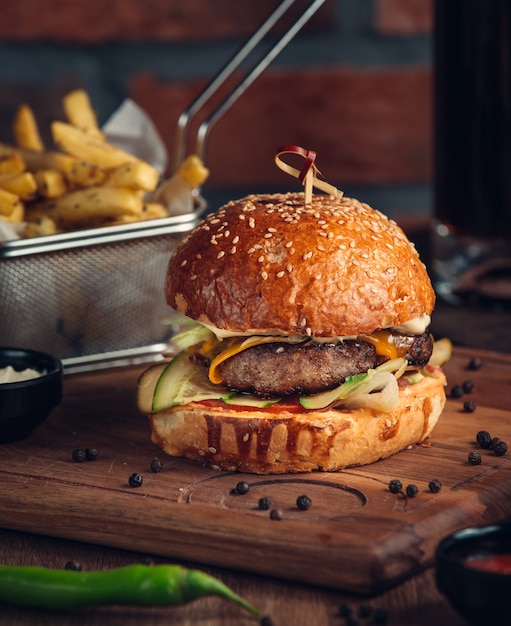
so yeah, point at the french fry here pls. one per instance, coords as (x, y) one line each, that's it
(41, 227)
(78, 143)
(25, 130)
(9, 202)
(86, 206)
(135, 175)
(17, 216)
(76, 171)
(154, 210)
(11, 162)
(22, 185)
(50, 183)
(79, 112)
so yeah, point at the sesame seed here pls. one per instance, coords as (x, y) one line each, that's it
(251, 222)
(213, 241)
(183, 263)
(220, 254)
(236, 239)
(198, 255)
(267, 235)
(227, 233)
(289, 267)
(215, 221)
(258, 246)
(251, 251)
(264, 275)
(233, 250)
(289, 244)
(272, 230)
(261, 258)
(193, 277)
(352, 244)
(308, 331)
(280, 274)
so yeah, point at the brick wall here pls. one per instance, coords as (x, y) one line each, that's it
(355, 85)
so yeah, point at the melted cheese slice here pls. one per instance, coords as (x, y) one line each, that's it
(379, 339)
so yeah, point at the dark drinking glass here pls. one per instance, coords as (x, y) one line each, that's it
(471, 244)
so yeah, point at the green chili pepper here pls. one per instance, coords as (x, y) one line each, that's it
(138, 585)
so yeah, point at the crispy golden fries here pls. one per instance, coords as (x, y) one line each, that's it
(11, 162)
(50, 183)
(23, 185)
(88, 206)
(79, 112)
(9, 204)
(25, 130)
(85, 182)
(82, 145)
(41, 227)
(135, 175)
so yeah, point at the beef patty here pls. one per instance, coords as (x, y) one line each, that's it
(281, 369)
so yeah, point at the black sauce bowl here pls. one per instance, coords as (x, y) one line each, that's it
(25, 405)
(482, 597)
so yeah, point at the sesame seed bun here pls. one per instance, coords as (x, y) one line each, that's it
(269, 264)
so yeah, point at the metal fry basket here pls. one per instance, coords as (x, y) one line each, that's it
(93, 298)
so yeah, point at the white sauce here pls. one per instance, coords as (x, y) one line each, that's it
(417, 326)
(10, 375)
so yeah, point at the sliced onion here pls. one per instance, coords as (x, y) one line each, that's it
(379, 391)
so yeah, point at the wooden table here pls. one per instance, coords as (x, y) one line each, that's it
(413, 602)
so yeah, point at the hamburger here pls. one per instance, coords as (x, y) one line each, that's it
(305, 343)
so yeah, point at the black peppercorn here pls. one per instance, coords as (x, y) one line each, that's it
(264, 503)
(76, 566)
(79, 455)
(156, 466)
(266, 621)
(412, 490)
(483, 438)
(469, 406)
(303, 503)
(494, 442)
(242, 488)
(474, 458)
(395, 486)
(276, 514)
(91, 454)
(457, 391)
(468, 386)
(135, 480)
(500, 447)
(475, 364)
(435, 486)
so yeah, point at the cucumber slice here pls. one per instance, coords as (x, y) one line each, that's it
(181, 382)
(245, 399)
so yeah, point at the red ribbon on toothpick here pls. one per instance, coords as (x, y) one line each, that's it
(308, 175)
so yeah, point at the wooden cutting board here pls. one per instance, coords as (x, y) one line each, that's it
(356, 536)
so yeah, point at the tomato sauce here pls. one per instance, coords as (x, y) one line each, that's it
(493, 564)
(288, 406)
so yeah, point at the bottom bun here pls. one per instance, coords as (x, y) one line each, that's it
(263, 442)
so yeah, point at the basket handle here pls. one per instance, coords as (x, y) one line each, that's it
(220, 78)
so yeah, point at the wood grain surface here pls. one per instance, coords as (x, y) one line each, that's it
(356, 536)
